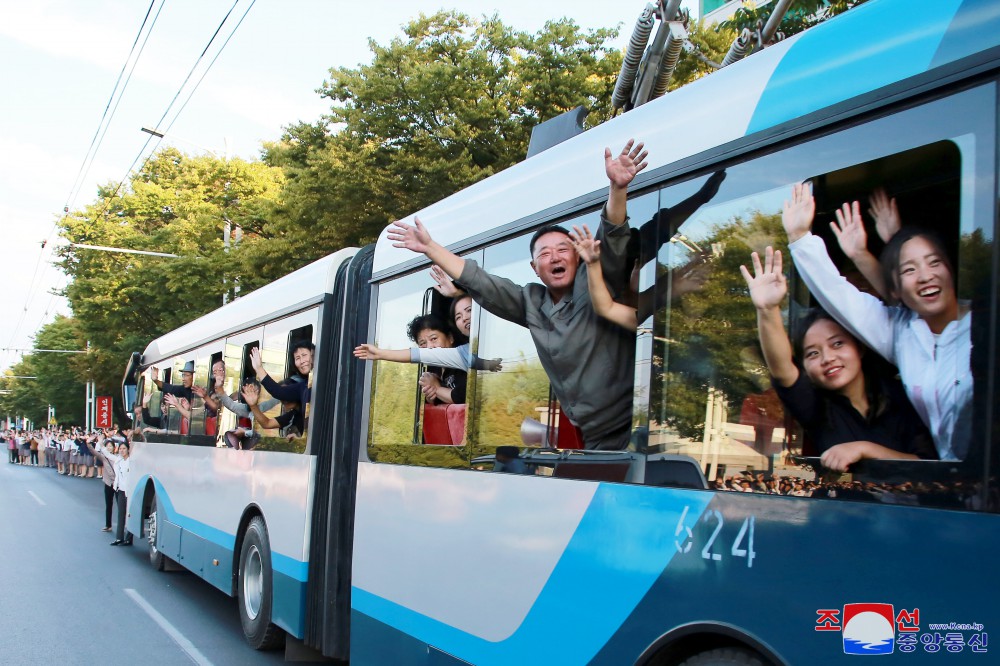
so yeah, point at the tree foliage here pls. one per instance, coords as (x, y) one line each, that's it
(801, 15)
(448, 104)
(176, 204)
(55, 377)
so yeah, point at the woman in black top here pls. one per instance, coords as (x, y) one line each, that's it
(848, 415)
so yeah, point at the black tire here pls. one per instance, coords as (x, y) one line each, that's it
(254, 589)
(730, 656)
(156, 556)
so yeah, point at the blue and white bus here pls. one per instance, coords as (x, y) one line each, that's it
(384, 537)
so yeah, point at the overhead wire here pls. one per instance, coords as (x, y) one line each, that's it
(95, 142)
(139, 156)
(88, 159)
(210, 64)
(177, 95)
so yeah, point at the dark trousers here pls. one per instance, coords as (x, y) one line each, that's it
(13, 455)
(109, 502)
(34, 456)
(120, 498)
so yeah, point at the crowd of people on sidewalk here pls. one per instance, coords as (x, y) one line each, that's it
(100, 454)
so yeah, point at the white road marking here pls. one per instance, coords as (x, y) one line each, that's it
(186, 645)
(36, 497)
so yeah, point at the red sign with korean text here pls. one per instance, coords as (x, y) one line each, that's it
(103, 411)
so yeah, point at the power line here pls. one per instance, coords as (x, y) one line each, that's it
(131, 168)
(180, 90)
(209, 67)
(95, 141)
(91, 154)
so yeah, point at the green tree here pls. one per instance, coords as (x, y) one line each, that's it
(59, 379)
(175, 204)
(448, 104)
(801, 15)
(22, 397)
(55, 378)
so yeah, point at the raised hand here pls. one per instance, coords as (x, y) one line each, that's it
(199, 391)
(171, 400)
(840, 457)
(444, 285)
(798, 213)
(413, 237)
(767, 284)
(255, 360)
(850, 230)
(885, 213)
(585, 244)
(251, 394)
(621, 169)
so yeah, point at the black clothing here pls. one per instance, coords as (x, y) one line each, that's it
(121, 501)
(293, 389)
(179, 390)
(109, 500)
(830, 419)
(294, 418)
(454, 379)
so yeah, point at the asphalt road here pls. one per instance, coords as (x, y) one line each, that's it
(67, 597)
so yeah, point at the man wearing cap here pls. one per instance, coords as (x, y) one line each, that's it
(183, 390)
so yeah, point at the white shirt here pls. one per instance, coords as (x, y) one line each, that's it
(121, 473)
(935, 372)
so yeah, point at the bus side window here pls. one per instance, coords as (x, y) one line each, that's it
(288, 354)
(395, 418)
(710, 393)
(202, 371)
(297, 336)
(152, 402)
(212, 415)
(400, 414)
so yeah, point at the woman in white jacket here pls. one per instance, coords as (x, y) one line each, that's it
(121, 467)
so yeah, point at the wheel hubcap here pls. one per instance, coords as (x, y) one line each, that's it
(253, 583)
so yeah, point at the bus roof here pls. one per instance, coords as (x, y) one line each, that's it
(871, 46)
(298, 289)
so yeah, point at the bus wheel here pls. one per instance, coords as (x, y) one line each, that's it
(254, 590)
(730, 656)
(156, 557)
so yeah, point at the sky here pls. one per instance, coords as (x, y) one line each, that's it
(62, 58)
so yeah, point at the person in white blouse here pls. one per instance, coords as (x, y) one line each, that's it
(120, 462)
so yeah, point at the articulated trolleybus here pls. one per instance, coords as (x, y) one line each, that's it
(378, 529)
